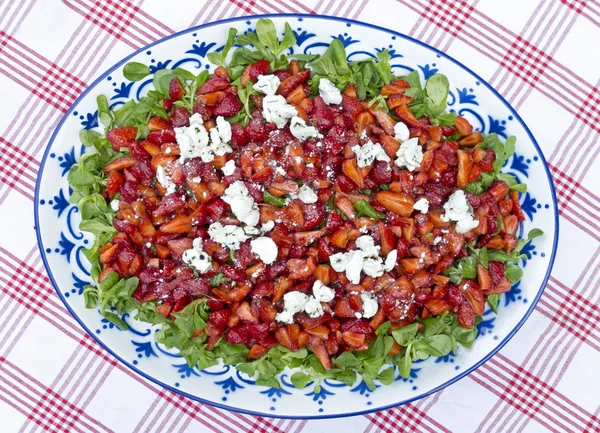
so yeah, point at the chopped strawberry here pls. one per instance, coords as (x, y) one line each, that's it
(121, 137)
(176, 90)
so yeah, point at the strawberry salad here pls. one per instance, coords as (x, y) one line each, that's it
(298, 211)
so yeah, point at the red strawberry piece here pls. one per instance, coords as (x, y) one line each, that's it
(180, 117)
(282, 74)
(167, 103)
(449, 177)
(262, 67)
(129, 192)
(496, 271)
(257, 131)
(215, 305)
(276, 270)
(142, 169)
(325, 250)
(360, 326)
(291, 82)
(121, 137)
(346, 185)
(352, 105)
(334, 221)
(233, 273)
(178, 246)
(136, 148)
(237, 335)
(171, 203)
(244, 255)
(216, 209)
(238, 136)
(162, 137)
(157, 123)
(114, 182)
(213, 84)
(380, 172)
(124, 226)
(314, 214)
(198, 287)
(176, 90)
(453, 296)
(321, 114)
(466, 315)
(402, 247)
(229, 106)
(263, 289)
(255, 191)
(219, 319)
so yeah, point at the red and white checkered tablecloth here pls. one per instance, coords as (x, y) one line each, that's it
(542, 55)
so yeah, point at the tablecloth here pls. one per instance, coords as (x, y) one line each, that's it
(543, 56)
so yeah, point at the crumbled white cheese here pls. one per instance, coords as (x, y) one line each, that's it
(370, 305)
(355, 266)
(229, 236)
(366, 259)
(293, 302)
(339, 261)
(301, 130)
(197, 258)
(366, 244)
(197, 179)
(267, 227)
(422, 205)
(251, 230)
(329, 93)
(114, 205)
(165, 180)
(277, 110)
(369, 152)
(313, 307)
(307, 195)
(458, 209)
(410, 154)
(401, 132)
(195, 141)
(228, 168)
(280, 171)
(242, 204)
(265, 248)
(267, 84)
(373, 267)
(390, 261)
(322, 293)
(437, 240)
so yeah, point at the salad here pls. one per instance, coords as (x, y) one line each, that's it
(297, 211)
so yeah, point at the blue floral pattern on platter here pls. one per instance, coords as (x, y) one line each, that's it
(224, 385)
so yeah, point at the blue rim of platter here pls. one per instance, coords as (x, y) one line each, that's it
(274, 415)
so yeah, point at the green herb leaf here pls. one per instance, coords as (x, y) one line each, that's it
(300, 380)
(134, 71)
(492, 300)
(218, 57)
(365, 209)
(386, 377)
(271, 199)
(513, 273)
(405, 335)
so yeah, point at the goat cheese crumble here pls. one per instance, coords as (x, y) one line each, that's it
(458, 209)
(267, 84)
(165, 180)
(301, 130)
(422, 205)
(277, 110)
(228, 168)
(329, 93)
(401, 132)
(197, 258)
(265, 248)
(369, 152)
(410, 154)
(242, 204)
(365, 259)
(229, 236)
(370, 305)
(293, 302)
(307, 195)
(196, 142)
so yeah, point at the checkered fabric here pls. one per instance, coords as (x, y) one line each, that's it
(542, 55)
